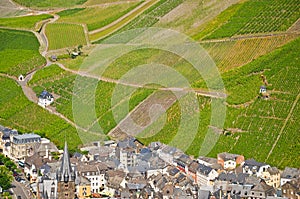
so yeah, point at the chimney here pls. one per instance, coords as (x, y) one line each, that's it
(47, 152)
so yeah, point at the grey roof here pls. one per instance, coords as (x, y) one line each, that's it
(228, 156)
(252, 163)
(45, 95)
(205, 170)
(27, 136)
(290, 173)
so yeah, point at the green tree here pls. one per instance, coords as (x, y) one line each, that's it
(5, 177)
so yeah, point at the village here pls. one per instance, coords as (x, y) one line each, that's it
(128, 169)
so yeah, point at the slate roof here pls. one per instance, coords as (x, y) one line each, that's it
(205, 170)
(228, 156)
(290, 173)
(45, 95)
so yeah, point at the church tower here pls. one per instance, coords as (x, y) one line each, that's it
(66, 177)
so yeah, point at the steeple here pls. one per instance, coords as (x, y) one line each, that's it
(65, 171)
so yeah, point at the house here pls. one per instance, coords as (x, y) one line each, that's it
(263, 89)
(289, 174)
(95, 173)
(272, 177)
(45, 99)
(205, 175)
(253, 167)
(230, 161)
(6, 135)
(182, 162)
(291, 189)
(83, 188)
(24, 145)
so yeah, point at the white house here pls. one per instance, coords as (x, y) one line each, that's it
(205, 175)
(252, 167)
(45, 99)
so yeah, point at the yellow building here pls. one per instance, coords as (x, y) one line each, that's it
(272, 177)
(84, 188)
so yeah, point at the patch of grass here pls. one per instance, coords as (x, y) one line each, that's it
(257, 17)
(50, 3)
(61, 35)
(27, 22)
(17, 112)
(19, 52)
(105, 15)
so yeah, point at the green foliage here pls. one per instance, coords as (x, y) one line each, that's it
(5, 178)
(258, 16)
(27, 22)
(61, 35)
(105, 15)
(50, 3)
(19, 52)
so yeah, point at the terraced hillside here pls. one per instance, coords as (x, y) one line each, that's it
(250, 41)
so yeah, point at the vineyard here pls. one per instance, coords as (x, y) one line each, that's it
(49, 3)
(258, 17)
(61, 35)
(151, 15)
(190, 16)
(104, 33)
(8, 9)
(105, 15)
(97, 2)
(19, 113)
(235, 53)
(61, 83)
(19, 52)
(27, 22)
(260, 122)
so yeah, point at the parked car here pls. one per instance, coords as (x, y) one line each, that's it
(19, 197)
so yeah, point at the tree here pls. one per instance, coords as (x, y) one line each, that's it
(10, 165)
(5, 178)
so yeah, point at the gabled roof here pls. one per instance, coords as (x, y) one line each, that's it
(45, 95)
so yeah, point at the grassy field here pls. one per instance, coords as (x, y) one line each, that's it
(61, 35)
(27, 22)
(17, 112)
(260, 121)
(20, 52)
(105, 15)
(50, 3)
(60, 82)
(253, 17)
